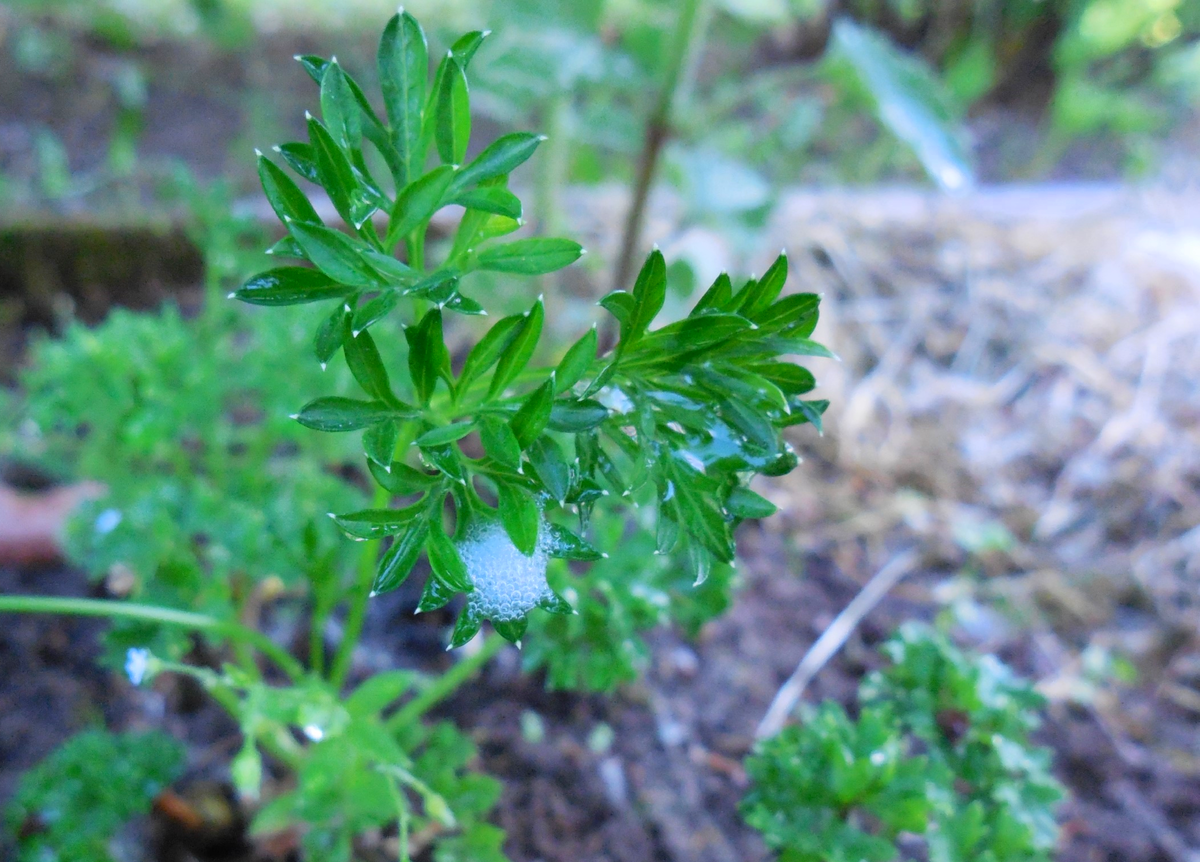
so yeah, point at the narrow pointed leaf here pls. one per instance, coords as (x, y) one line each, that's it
(533, 256)
(435, 595)
(511, 630)
(377, 523)
(334, 413)
(531, 419)
(335, 254)
(566, 545)
(283, 194)
(499, 442)
(334, 171)
(468, 625)
(575, 363)
(574, 416)
(373, 311)
(491, 199)
(302, 159)
(444, 559)
(402, 479)
(519, 514)
(550, 467)
(331, 333)
(290, 285)
(649, 292)
(445, 434)
(744, 503)
(403, 72)
(453, 121)
(498, 159)
(489, 348)
(417, 202)
(519, 350)
(379, 442)
(556, 604)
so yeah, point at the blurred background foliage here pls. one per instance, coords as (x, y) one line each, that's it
(774, 92)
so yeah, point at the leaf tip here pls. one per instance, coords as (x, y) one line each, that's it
(322, 366)
(231, 295)
(293, 416)
(372, 594)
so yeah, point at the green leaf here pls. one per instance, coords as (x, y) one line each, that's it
(556, 604)
(520, 516)
(576, 416)
(334, 413)
(302, 159)
(511, 630)
(283, 194)
(489, 349)
(498, 159)
(435, 595)
(403, 72)
(339, 109)
(550, 467)
(373, 311)
(401, 479)
(575, 363)
(447, 460)
(689, 497)
(744, 503)
(286, 246)
(765, 291)
(499, 442)
(470, 620)
(445, 434)
(491, 199)
(290, 285)
(334, 172)
(465, 46)
(530, 420)
(365, 363)
(717, 296)
(417, 203)
(519, 350)
(799, 347)
(910, 100)
(399, 559)
(620, 305)
(533, 256)
(453, 119)
(335, 254)
(649, 292)
(427, 354)
(377, 523)
(565, 545)
(791, 379)
(790, 315)
(444, 560)
(330, 334)
(379, 442)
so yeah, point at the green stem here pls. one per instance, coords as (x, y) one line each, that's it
(446, 684)
(680, 69)
(416, 248)
(151, 613)
(360, 597)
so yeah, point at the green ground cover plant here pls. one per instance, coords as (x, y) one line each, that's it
(527, 480)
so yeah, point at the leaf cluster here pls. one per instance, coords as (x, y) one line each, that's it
(690, 409)
(940, 749)
(71, 806)
(364, 768)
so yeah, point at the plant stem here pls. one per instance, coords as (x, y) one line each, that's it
(360, 597)
(151, 613)
(680, 68)
(446, 684)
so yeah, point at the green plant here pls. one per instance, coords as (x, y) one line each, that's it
(484, 463)
(70, 807)
(940, 749)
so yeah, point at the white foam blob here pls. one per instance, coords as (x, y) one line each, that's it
(508, 584)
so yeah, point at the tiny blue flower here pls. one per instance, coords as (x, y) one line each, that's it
(137, 661)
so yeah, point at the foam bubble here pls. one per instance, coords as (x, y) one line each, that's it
(508, 584)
